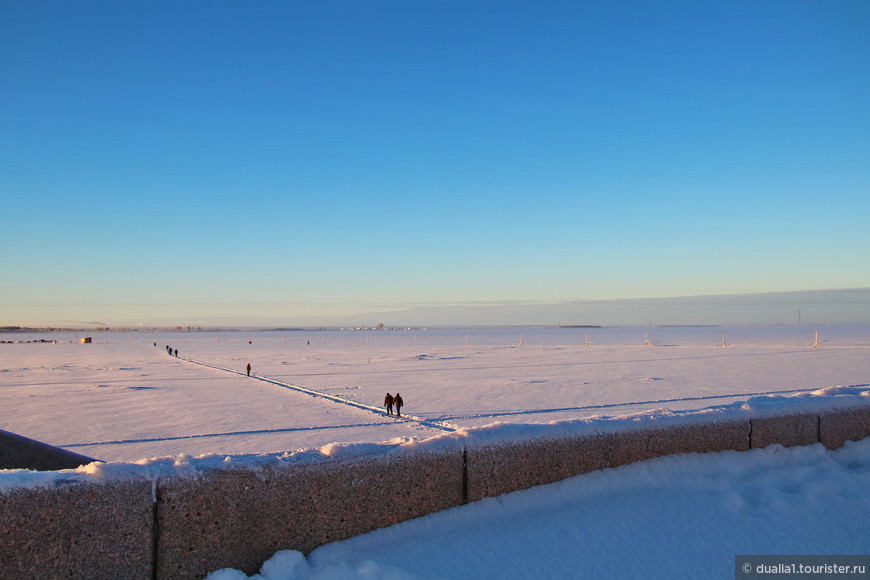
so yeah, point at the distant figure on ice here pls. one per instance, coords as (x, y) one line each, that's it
(397, 401)
(388, 403)
(176, 352)
(249, 369)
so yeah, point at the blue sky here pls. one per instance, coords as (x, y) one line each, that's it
(222, 161)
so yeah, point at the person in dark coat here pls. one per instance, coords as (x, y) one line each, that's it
(249, 369)
(397, 401)
(388, 403)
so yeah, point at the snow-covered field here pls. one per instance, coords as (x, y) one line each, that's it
(122, 399)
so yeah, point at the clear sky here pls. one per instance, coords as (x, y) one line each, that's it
(215, 161)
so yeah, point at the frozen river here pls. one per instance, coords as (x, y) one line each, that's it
(123, 398)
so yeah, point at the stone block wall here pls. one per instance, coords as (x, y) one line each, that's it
(496, 469)
(17, 452)
(240, 518)
(787, 430)
(175, 527)
(82, 530)
(841, 425)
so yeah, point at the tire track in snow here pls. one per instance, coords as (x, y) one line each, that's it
(441, 425)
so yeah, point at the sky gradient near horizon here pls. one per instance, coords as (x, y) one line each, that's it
(219, 161)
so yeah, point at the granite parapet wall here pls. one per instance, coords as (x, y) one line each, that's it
(239, 519)
(841, 425)
(181, 526)
(787, 430)
(503, 468)
(17, 452)
(79, 530)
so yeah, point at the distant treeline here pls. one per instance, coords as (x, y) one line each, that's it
(47, 329)
(94, 329)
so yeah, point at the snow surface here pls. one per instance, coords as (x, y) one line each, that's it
(123, 399)
(683, 516)
(318, 394)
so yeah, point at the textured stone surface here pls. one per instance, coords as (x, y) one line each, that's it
(841, 425)
(504, 468)
(787, 430)
(498, 469)
(633, 446)
(17, 452)
(239, 519)
(88, 531)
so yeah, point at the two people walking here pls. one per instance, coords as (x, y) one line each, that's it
(390, 401)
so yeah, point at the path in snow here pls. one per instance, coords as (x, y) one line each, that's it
(442, 425)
